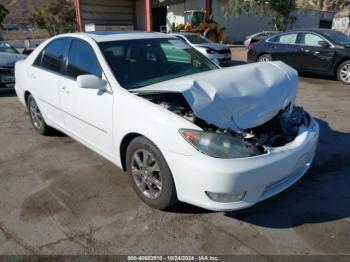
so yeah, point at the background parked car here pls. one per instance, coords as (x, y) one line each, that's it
(320, 51)
(214, 51)
(8, 57)
(27, 51)
(251, 39)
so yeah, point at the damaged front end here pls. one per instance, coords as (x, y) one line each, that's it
(228, 143)
(280, 130)
(252, 106)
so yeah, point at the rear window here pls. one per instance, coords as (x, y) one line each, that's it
(197, 39)
(7, 48)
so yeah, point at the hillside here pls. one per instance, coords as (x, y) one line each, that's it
(20, 10)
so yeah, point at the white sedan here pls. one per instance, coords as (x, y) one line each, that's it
(182, 128)
(216, 52)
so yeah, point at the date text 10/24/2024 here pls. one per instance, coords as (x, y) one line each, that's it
(173, 258)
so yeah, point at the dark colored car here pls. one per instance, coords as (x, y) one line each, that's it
(8, 58)
(251, 39)
(320, 51)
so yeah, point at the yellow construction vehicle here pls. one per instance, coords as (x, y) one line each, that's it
(195, 22)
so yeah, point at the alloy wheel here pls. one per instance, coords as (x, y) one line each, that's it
(264, 59)
(36, 115)
(345, 73)
(146, 174)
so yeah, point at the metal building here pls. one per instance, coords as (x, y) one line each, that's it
(127, 14)
(156, 15)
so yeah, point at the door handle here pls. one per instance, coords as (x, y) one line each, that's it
(65, 89)
(308, 51)
(33, 75)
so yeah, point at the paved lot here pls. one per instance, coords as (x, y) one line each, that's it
(57, 197)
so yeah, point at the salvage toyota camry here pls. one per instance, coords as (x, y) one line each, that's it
(180, 126)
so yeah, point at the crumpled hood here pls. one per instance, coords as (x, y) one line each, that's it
(214, 46)
(10, 59)
(238, 97)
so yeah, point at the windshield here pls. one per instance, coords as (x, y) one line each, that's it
(197, 39)
(6, 48)
(142, 62)
(194, 17)
(338, 37)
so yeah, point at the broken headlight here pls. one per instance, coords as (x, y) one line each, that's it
(219, 145)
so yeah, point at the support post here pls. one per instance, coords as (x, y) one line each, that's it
(78, 16)
(208, 8)
(148, 15)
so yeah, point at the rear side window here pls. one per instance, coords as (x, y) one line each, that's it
(274, 39)
(83, 61)
(52, 56)
(288, 38)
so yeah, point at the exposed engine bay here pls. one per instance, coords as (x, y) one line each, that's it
(279, 131)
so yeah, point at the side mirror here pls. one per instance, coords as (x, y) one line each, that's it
(91, 82)
(324, 44)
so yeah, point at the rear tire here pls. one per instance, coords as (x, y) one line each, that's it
(37, 118)
(265, 58)
(343, 72)
(149, 174)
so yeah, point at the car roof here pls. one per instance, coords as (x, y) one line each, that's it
(315, 30)
(183, 33)
(267, 32)
(104, 36)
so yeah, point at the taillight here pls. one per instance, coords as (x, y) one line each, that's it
(250, 46)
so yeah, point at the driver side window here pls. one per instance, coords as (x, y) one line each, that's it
(82, 60)
(311, 39)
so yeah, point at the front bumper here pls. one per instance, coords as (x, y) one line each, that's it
(7, 77)
(260, 177)
(220, 57)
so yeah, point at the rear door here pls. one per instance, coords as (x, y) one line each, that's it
(284, 48)
(45, 79)
(312, 56)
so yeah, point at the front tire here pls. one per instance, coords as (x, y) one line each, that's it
(265, 58)
(149, 174)
(37, 118)
(343, 72)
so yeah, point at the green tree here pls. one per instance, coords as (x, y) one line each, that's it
(56, 17)
(280, 11)
(325, 5)
(3, 13)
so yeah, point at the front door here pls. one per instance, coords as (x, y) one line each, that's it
(312, 56)
(88, 113)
